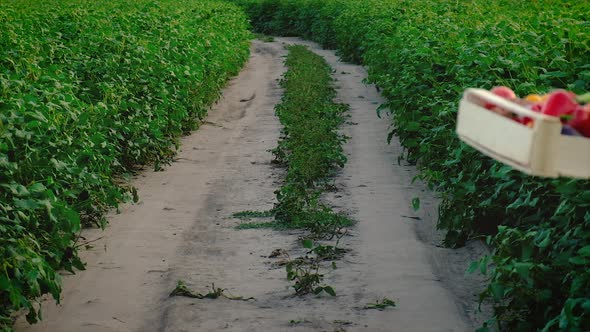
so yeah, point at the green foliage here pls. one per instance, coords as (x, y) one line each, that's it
(311, 149)
(304, 271)
(311, 153)
(89, 90)
(311, 146)
(181, 289)
(423, 54)
(381, 305)
(307, 279)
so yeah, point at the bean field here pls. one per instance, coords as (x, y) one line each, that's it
(92, 92)
(423, 54)
(89, 91)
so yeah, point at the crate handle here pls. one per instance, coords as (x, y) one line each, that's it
(480, 96)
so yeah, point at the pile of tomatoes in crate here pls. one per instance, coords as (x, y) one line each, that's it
(573, 110)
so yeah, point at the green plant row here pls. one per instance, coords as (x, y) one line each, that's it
(310, 148)
(310, 145)
(423, 54)
(88, 91)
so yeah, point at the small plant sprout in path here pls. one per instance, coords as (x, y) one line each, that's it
(304, 271)
(182, 290)
(381, 305)
(307, 279)
(416, 203)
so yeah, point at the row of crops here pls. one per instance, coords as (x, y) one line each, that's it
(89, 90)
(423, 54)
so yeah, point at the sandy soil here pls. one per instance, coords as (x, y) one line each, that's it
(183, 230)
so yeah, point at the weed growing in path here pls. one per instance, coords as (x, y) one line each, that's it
(182, 290)
(311, 150)
(381, 305)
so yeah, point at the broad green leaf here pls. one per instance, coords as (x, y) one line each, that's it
(27, 204)
(416, 203)
(584, 251)
(37, 188)
(330, 290)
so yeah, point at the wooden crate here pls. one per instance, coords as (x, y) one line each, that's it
(540, 150)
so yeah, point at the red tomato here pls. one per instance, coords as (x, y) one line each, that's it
(581, 120)
(504, 92)
(527, 121)
(537, 107)
(501, 91)
(560, 103)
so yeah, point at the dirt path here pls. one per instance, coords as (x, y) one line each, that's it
(182, 229)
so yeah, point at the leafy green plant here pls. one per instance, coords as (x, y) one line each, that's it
(304, 271)
(422, 56)
(89, 92)
(311, 154)
(328, 252)
(307, 279)
(182, 290)
(381, 305)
